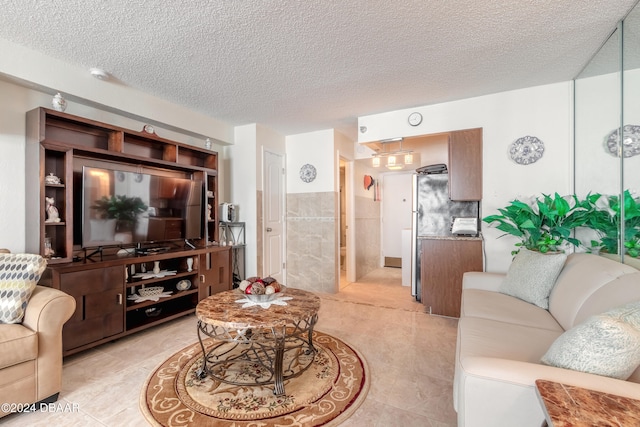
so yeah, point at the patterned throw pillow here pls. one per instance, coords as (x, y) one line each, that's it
(19, 274)
(532, 276)
(606, 344)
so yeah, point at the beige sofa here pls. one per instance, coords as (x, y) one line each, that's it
(31, 351)
(501, 340)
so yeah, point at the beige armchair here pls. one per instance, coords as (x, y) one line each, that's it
(31, 351)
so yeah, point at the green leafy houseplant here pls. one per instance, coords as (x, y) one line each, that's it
(605, 219)
(123, 209)
(544, 225)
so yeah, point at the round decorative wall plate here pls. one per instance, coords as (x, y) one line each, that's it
(630, 141)
(307, 173)
(526, 150)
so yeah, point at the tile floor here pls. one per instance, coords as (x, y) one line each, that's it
(410, 356)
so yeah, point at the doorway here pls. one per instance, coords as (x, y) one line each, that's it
(346, 254)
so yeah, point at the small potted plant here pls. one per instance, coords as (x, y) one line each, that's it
(544, 225)
(123, 209)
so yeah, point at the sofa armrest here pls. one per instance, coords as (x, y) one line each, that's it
(494, 391)
(482, 280)
(47, 311)
(525, 373)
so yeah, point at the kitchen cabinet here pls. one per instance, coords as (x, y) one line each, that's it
(465, 165)
(443, 261)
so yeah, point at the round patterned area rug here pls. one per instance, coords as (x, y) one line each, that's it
(326, 394)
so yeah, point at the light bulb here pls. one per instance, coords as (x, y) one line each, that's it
(391, 161)
(408, 158)
(375, 162)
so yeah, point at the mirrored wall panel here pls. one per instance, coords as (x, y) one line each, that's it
(607, 143)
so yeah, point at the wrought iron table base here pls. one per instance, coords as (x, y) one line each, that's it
(259, 356)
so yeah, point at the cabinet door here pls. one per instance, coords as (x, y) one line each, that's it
(442, 265)
(99, 311)
(465, 165)
(215, 272)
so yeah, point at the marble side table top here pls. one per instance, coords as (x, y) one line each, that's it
(222, 309)
(566, 405)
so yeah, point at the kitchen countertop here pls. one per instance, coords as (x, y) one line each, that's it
(450, 237)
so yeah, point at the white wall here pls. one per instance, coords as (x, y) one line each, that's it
(314, 148)
(543, 111)
(49, 75)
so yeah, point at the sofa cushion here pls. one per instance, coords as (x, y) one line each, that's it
(19, 344)
(492, 338)
(591, 284)
(19, 274)
(505, 308)
(606, 344)
(532, 275)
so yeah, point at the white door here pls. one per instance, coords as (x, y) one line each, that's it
(396, 212)
(273, 209)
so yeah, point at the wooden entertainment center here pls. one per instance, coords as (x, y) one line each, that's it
(105, 284)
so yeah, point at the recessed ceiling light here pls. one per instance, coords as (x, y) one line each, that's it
(99, 73)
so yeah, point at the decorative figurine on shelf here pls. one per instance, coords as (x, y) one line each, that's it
(52, 212)
(209, 212)
(189, 264)
(52, 179)
(48, 248)
(58, 102)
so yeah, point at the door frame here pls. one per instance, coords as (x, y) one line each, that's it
(350, 255)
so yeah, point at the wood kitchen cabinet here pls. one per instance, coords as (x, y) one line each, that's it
(465, 165)
(442, 264)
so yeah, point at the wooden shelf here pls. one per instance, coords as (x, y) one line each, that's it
(177, 294)
(145, 282)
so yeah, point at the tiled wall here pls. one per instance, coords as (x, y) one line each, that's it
(312, 235)
(367, 235)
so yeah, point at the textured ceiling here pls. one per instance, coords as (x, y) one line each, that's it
(306, 65)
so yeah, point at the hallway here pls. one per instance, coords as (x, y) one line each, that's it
(380, 288)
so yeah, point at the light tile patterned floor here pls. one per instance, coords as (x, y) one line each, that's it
(410, 356)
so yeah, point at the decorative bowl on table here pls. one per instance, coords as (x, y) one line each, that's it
(150, 291)
(261, 290)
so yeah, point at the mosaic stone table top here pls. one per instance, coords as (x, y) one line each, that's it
(223, 310)
(566, 405)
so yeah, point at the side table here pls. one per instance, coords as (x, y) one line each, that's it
(571, 406)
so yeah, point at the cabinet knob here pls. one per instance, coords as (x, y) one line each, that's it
(202, 278)
(269, 229)
(119, 299)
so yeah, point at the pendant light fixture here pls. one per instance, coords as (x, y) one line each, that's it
(392, 156)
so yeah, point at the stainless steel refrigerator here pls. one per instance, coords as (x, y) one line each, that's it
(432, 216)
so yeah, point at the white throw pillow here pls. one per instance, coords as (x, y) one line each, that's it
(19, 275)
(606, 344)
(532, 276)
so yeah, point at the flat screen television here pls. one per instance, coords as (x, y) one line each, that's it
(121, 207)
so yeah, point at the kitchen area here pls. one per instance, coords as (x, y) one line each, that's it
(443, 239)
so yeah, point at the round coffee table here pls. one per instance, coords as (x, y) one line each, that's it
(262, 345)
